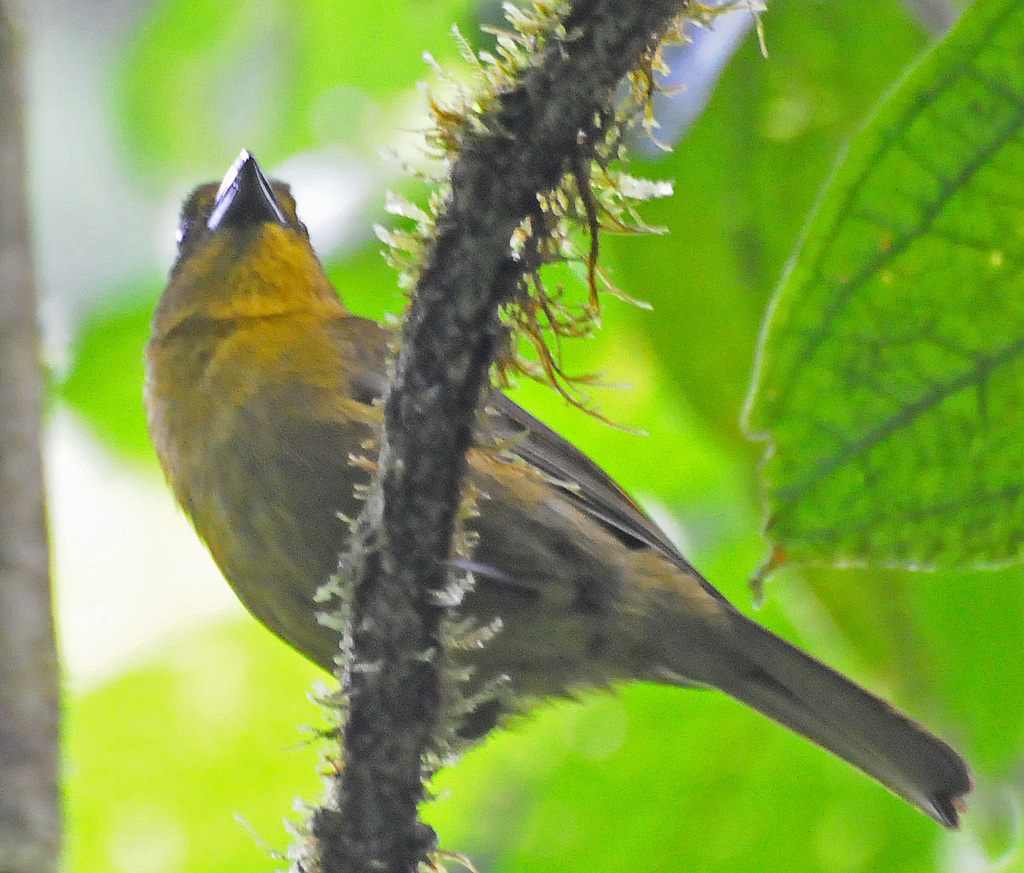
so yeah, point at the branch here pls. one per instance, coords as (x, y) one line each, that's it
(29, 800)
(534, 135)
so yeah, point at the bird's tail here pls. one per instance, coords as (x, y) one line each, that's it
(765, 672)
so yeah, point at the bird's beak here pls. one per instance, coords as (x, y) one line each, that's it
(244, 197)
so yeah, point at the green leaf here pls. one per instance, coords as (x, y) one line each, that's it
(745, 178)
(891, 377)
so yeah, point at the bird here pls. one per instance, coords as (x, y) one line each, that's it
(262, 388)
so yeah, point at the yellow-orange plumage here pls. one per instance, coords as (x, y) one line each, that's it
(260, 388)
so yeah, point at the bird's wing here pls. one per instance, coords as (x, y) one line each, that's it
(579, 479)
(582, 482)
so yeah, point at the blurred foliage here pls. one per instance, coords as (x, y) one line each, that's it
(278, 75)
(163, 760)
(104, 383)
(891, 383)
(745, 178)
(651, 778)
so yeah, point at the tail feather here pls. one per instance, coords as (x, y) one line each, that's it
(765, 672)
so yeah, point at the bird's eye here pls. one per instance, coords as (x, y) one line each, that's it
(194, 214)
(185, 233)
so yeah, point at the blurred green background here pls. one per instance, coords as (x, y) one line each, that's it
(184, 740)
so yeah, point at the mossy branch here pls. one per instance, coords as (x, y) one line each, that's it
(548, 124)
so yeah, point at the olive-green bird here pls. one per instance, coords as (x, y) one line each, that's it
(260, 386)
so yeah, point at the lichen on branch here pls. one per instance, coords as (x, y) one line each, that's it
(534, 152)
